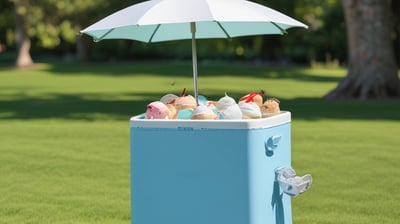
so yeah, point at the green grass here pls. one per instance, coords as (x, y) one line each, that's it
(64, 139)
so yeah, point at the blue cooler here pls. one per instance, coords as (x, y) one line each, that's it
(209, 172)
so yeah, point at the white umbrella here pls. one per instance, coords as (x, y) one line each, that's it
(164, 20)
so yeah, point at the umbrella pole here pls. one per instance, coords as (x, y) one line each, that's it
(194, 58)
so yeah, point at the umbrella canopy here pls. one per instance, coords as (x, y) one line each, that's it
(165, 20)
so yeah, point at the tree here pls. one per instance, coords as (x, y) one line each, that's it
(47, 24)
(372, 70)
(23, 41)
(50, 24)
(396, 22)
(88, 12)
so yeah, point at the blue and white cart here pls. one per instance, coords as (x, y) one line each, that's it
(209, 172)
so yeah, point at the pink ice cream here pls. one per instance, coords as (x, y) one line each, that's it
(157, 110)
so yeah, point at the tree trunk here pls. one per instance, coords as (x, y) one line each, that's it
(372, 71)
(23, 42)
(396, 18)
(82, 48)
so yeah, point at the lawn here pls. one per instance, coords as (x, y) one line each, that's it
(64, 139)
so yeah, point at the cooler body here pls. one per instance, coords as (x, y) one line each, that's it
(209, 171)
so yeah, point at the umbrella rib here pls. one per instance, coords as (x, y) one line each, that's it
(280, 28)
(223, 29)
(154, 33)
(105, 34)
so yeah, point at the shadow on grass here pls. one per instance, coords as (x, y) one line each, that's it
(315, 108)
(184, 69)
(99, 107)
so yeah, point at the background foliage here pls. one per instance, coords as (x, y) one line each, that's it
(54, 27)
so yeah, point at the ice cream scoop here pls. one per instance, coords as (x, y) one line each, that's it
(224, 103)
(203, 112)
(168, 98)
(270, 107)
(250, 110)
(256, 97)
(185, 102)
(157, 110)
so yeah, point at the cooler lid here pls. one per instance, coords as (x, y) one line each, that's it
(139, 121)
